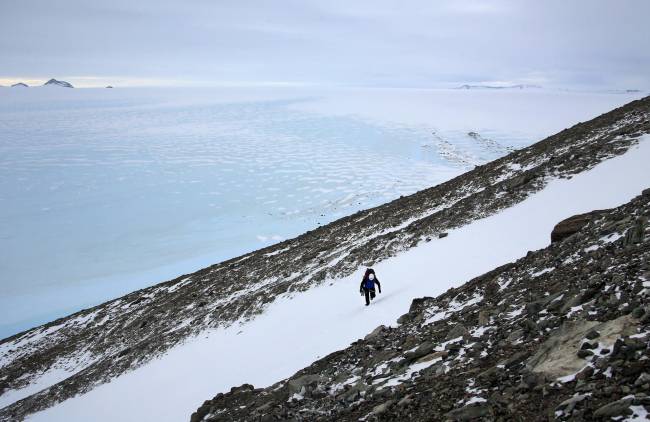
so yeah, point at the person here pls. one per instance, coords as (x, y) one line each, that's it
(368, 283)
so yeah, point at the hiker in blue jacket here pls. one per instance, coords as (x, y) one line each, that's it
(367, 286)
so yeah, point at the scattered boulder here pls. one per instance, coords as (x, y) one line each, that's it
(569, 404)
(484, 317)
(636, 233)
(615, 408)
(376, 333)
(422, 350)
(572, 225)
(470, 412)
(435, 355)
(381, 408)
(520, 180)
(295, 385)
(458, 331)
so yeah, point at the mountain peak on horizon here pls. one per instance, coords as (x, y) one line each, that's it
(58, 83)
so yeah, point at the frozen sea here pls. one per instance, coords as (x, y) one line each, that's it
(104, 191)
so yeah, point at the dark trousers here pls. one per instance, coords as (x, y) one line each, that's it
(370, 295)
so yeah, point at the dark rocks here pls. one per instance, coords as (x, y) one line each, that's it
(422, 350)
(457, 331)
(242, 388)
(418, 303)
(636, 233)
(569, 404)
(514, 336)
(453, 348)
(616, 408)
(585, 374)
(589, 345)
(404, 318)
(470, 412)
(644, 378)
(435, 355)
(529, 326)
(484, 317)
(626, 348)
(491, 289)
(296, 385)
(381, 408)
(533, 308)
(515, 359)
(593, 334)
(376, 333)
(531, 379)
(583, 353)
(638, 312)
(520, 180)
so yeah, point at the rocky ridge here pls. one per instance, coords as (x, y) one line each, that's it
(561, 334)
(98, 344)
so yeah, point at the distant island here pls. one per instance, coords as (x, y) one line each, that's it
(54, 82)
(20, 84)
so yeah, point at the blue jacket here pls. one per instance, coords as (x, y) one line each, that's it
(366, 283)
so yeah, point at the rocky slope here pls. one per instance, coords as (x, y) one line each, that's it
(98, 344)
(563, 333)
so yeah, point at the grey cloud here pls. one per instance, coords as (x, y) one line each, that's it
(413, 43)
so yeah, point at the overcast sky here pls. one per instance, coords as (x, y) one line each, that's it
(587, 43)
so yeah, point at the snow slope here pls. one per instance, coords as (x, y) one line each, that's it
(294, 331)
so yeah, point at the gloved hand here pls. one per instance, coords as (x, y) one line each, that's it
(361, 292)
(379, 290)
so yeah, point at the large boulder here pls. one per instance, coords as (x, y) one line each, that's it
(572, 225)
